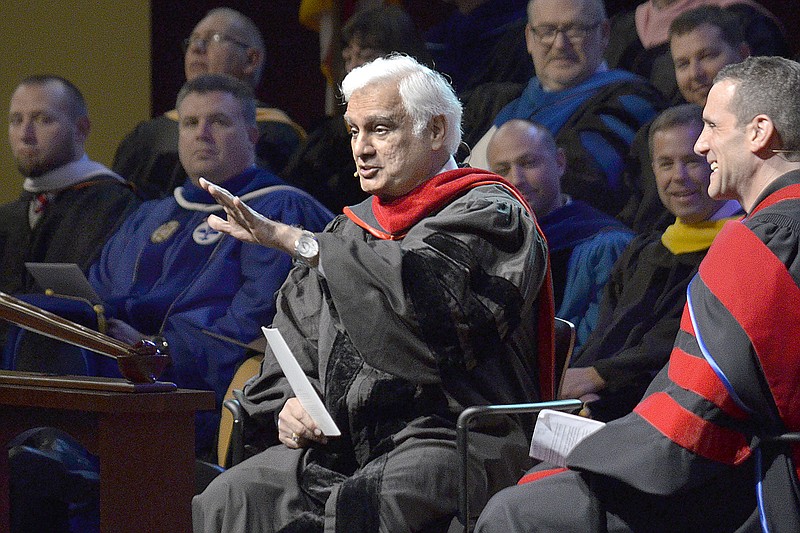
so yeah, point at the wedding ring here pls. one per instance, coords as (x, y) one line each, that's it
(295, 437)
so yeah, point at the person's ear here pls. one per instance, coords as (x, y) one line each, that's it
(82, 128)
(438, 129)
(529, 38)
(254, 59)
(561, 160)
(761, 133)
(252, 134)
(605, 33)
(744, 50)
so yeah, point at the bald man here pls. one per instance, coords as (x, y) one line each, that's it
(584, 242)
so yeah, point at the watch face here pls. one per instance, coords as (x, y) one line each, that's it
(307, 246)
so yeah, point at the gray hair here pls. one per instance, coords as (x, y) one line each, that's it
(250, 33)
(208, 83)
(424, 93)
(768, 86)
(595, 7)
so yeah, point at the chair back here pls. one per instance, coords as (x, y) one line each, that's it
(249, 368)
(564, 345)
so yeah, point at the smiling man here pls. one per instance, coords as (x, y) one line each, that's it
(428, 297)
(641, 307)
(702, 41)
(698, 453)
(592, 112)
(223, 42)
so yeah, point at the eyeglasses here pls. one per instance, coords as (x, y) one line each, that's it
(576, 33)
(204, 42)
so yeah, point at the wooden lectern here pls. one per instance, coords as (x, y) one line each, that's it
(145, 441)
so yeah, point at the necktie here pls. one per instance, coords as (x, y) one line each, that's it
(38, 206)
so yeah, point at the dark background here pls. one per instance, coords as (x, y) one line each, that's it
(292, 79)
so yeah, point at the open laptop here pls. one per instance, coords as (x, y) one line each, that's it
(66, 279)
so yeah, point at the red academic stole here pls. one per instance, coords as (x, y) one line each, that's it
(394, 218)
(760, 293)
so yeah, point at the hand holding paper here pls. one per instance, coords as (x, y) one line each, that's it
(300, 384)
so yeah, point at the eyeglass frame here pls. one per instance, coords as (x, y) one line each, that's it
(583, 32)
(216, 38)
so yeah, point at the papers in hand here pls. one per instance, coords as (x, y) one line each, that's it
(300, 384)
(557, 433)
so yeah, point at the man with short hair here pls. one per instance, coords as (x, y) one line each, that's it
(166, 272)
(699, 452)
(592, 112)
(70, 204)
(223, 42)
(428, 297)
(641, 309)
(583, 242)
(69, 207)
(702, 41)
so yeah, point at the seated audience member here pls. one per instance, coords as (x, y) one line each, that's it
(698, 453)
(166, 272)
(641, 309)
(702, 41)
(640, 38)
(323, 164)
(70, 204)
(583, 242)
(592, 112)
(468, 43)
(223, 42)
(430, 296)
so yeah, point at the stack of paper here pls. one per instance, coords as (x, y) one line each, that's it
(557, 433)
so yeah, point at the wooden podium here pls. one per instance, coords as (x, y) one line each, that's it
(144, 438)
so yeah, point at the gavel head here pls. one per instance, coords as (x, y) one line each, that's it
(146, 362)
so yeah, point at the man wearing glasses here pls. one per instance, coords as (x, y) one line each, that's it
(223, 42)
(592, 111)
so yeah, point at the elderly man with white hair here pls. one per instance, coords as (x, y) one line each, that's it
(430, 296)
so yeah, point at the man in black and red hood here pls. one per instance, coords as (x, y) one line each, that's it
(430, 296)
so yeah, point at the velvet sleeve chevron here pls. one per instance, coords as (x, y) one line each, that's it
(463, 311)
(458, 289)
(597, 139)
(730, 379)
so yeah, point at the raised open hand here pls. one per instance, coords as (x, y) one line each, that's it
(246, 224)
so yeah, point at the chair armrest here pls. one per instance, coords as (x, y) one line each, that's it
(470, 414)
(786, 437)
(236, 448)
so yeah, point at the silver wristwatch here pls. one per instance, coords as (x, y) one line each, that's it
(306, 248)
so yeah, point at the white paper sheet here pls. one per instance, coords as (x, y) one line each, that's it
(300, 384)
(557, 433)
